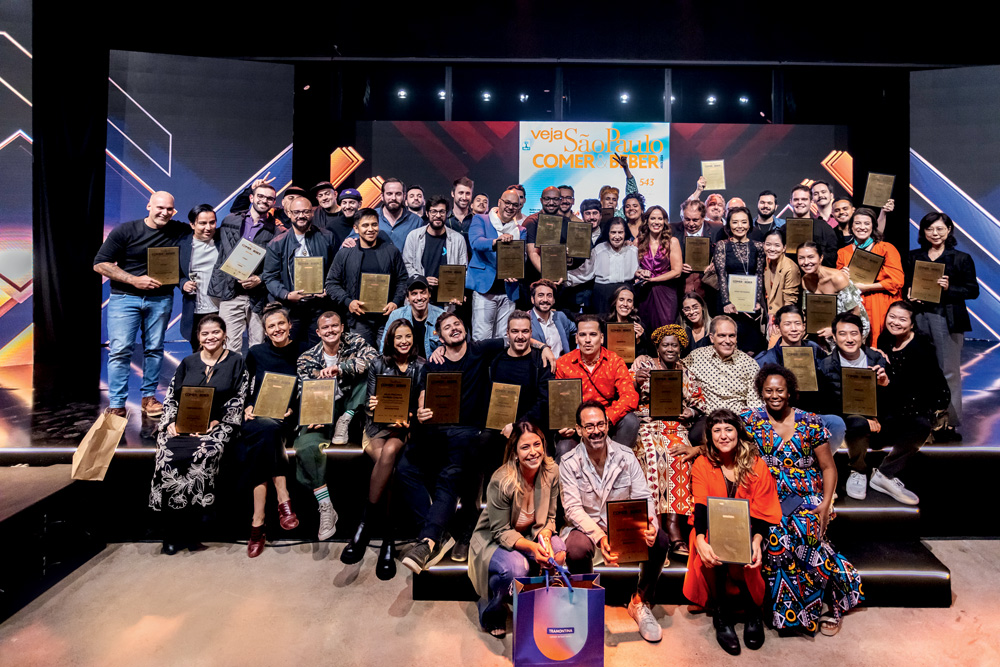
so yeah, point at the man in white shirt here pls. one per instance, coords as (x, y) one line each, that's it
(548, 324)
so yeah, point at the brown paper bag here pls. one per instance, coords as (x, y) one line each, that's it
(93, 456)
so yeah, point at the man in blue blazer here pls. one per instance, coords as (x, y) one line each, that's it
(492, 299)
(547, 324)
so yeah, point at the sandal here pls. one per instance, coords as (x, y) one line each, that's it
(828, 625)
(679, 548)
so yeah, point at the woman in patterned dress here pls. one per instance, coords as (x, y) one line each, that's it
(188, 463)
(811, 585)
(663, 447)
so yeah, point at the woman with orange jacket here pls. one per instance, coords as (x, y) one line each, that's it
(888, 285)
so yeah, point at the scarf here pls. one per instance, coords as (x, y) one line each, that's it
(867, 244)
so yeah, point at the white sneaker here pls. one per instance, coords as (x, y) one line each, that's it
(327, 521)
(857, 486)
(340, 429)
(893, 487)
(649, 628)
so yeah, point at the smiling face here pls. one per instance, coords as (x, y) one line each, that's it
(392, 197)
(402, 341)
(775, 393)
(211, 336)
(530, 452)
(632, 210)
(592, 217)
(367, 229)
(480, 204)
(899, 322)
(326, 198)
(801, 199)
(821, 194)
(452, 332)
(724, 339)
(276, 327)
(862, 227)
(550, 201)
(543, 299)
(519, 335)
(792, 328)
(436, 215)
(616, 235)
(301, 213)
(669, 350)
(566, 200)
(765, 205)
(725, 438)
(204, 225)
(715, 207)
(809, 260)
(739, 225)
(263, 199)
(842, 211)
(593, 427)
(418, 297)
(508, 206)
(624, 303)
(692, 312)
(773, 247)
(349, 207)
(848, 339)
(462, 195)
(161, 208)
(329, 330)
(589, 339)
(656, 222)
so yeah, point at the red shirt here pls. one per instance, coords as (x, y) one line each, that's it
(610, 384)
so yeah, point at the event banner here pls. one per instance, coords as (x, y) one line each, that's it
(582, 155)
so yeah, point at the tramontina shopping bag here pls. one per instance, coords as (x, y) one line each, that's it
(558, 625)
(93, 456)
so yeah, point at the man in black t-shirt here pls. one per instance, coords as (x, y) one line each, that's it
(138, 302)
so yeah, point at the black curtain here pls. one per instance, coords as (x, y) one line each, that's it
(69, 117)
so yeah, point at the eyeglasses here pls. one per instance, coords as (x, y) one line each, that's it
(550, 198)
(599, 426)
(263, 198)
(511, 204)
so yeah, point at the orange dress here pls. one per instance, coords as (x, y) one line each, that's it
(707, 480)
(890, 276)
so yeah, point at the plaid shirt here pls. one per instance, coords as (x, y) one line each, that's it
(727, 383)
(354, 357)
(610, 384)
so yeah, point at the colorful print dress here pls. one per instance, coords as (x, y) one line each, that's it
(800, 565)
(669, 478)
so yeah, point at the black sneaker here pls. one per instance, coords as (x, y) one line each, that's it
(460, 552)
(416, 557)
(442, 548)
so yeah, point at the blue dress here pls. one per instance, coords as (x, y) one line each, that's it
(801, 567)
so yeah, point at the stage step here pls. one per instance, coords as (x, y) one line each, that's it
(893, 574)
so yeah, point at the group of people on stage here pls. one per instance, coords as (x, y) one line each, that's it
(746, 430)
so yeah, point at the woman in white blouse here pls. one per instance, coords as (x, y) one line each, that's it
(611, 264)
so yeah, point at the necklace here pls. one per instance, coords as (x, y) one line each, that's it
(742, 252)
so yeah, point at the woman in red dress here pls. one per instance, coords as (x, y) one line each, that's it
(730, 469)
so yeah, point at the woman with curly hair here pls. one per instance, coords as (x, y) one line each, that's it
(515, 533)
(633, 206)
(730, 469)
(811, 584)
(660, 263)
(664, 448)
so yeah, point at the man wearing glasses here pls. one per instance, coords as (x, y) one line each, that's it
(241, 301)
(492, 297)
(567, 197)
(550, 206)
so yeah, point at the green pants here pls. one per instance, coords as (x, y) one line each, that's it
(310, 459)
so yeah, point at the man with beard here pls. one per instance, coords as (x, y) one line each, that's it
(138, 302)
(843, 210)
(241, 302)
(693, 223)
(460, 216)
(567, 197)
(393, 218)
(550, 206)
(547, 324)
(428, 247)
(822, 196)
(415, 201)
(447, 459)
(421, 314)
(480, 203)
(241, 202)
(823, 234)
(765, 222)
(492, 298)
(372, 254)
(341, 225)
(327, 207)
(303, 240)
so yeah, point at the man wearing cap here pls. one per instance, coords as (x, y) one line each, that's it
(303, 240)
(393, 217)
(428, 247)
(325, 195)
(580, 280)
(342, 225)
(241, 301)
(419, 312)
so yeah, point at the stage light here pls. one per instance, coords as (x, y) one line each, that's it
(487, 97)
(305, 87)
(711, 100)
(624, 98)
(546, 91)
(524, 98)
(401, 94)
(672, 99)
(744, 99)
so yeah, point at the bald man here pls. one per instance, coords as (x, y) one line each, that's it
(551, 199)
(138, 302)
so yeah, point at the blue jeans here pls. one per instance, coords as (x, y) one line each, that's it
(127, 315)
(837, 428)
(505, 566)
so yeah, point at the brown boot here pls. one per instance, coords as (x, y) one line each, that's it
(118, 412)
(286, 517)
(255, 546)
(151, 407)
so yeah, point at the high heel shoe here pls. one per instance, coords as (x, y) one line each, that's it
(255, 546)
(355, 549)
(286, 517)
(385, 566)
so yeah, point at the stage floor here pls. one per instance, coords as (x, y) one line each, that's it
(131, 605)
(66, 425)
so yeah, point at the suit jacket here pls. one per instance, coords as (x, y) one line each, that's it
(784, 288)
(189, 301)
(483, 263)
(224, 286)
(566, 328)
(962, 286)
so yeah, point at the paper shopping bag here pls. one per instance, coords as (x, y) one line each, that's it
(556, 625)
(93, 456)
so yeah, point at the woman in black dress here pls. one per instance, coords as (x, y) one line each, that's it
(739, 256)
(261, 450)
(622, 309)
(384, 442)
(188, 463)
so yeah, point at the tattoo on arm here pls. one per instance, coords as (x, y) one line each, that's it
(113, 271)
